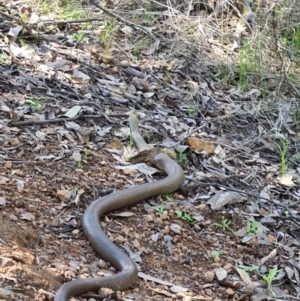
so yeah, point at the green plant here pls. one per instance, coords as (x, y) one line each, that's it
(85, 154)
(215, 253)
(3, 58)
(23, 17)
(191, 110)
(225, 224)
(286, 214)
(106, 34)
(131, 142)
(79, 164)
(181, 156)
(79, 37)
(83, 157)
(161, 210)
(253, 228)
(36, 105)
(185, 217)
(70, 9)
(269, 279)
(249, 269)
(22, 42)
(283, 148)
(169, 198)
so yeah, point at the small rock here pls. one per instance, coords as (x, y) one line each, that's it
(124, 63)
(75, 231)
(155, 237)
(102, 264)
(229, 291)
(221, 274)
(140, 84)
(159, 221)
(119, 239)
(8, 165)
(63, 195)
(27, 216)
(148, 218)
(228, 267)
(217, 259)
(164, 216)
(209, 276)
(6, 262)
(136, 244)
(2, 201)
(23, 257)
(178, 289)
(104, 291)
(125, 230)
(4, 293)
(31, 208)
(175, 228)
(14, 142)
(202, 207)
(13, 217)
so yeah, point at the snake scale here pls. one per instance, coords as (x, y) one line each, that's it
(128, 273)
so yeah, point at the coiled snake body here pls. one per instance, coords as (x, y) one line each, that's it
(105, 248)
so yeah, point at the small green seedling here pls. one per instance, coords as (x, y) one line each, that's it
(286, 214)
(107, 33)
(85, 154)
(79, 164)
(181, 156)
(283, 156)
(161, 210)
(225, 224)
(253, 228)
(249, 269)
(269, 279)
(185, 217)
(36, 105)
(3, 58)
(169, 198)
(79, 37)
(215, 253)
(131, 142)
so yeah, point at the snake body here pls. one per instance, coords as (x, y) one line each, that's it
(128, 273)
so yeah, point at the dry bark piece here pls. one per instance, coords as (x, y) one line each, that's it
(198, 145)
(140, 84)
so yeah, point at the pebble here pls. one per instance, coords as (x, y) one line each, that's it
(148, 218)
(119, 239)
(102, 264)
(159, 221)
(125, 230)
(175, 228)
(229, 291)
(13, 217)
(136, 244)
(209, 276)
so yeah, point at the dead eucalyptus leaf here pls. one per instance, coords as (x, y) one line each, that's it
(122, 214)
(221, 199)
(73, 111)
(198, 145)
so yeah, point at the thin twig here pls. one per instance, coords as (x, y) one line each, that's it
(131, 24)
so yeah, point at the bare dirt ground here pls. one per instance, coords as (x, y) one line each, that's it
(41, 246)
(64, 141)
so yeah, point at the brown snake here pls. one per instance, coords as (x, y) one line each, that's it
(128, 273)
